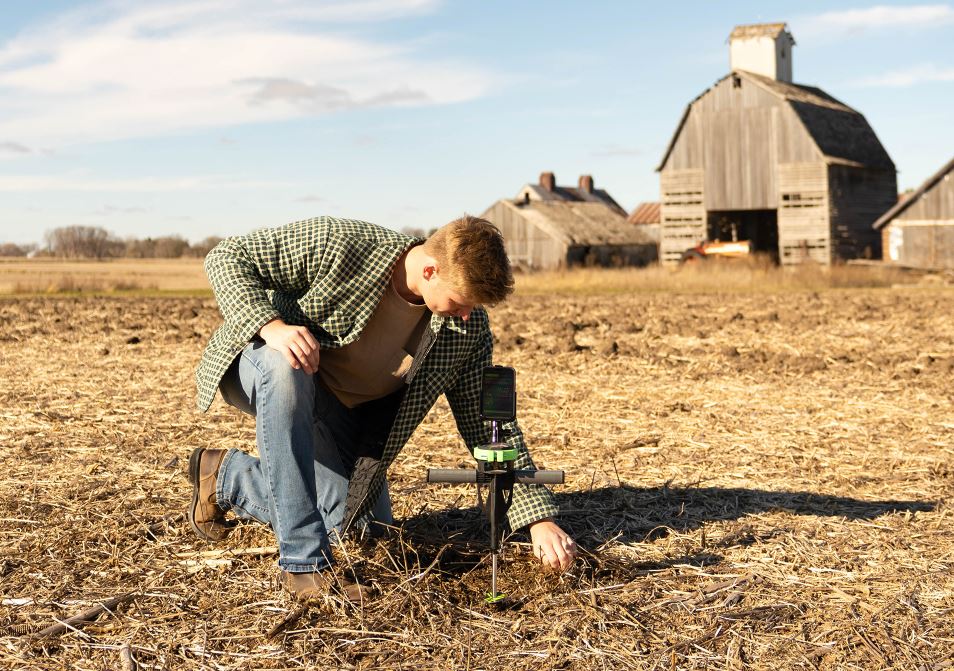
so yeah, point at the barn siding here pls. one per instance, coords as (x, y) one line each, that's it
(936, 203)
(740, 170)
(546, 253)
(682, 213)
(687, 153)
(795, 144)
(922, 235)
(920, 244)
(527, 245)
(858, 196)
(803, 213)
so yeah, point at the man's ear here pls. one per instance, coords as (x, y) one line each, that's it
(430, 269)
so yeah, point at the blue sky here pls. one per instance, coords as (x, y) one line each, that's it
(216, 117)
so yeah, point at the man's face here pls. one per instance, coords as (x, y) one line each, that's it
(445, 301)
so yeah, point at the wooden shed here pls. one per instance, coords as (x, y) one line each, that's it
(787, 166)
(551, 234)
(919, 230)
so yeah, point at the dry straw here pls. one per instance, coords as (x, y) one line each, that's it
(758, 479)
(757, 274)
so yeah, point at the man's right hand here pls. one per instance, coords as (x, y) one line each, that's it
(296, 343)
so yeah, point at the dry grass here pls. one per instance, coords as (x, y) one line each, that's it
(757, 275)
(55, 276)
(759, 480)
(145, 276)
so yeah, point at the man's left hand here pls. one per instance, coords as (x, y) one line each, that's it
(552, 545)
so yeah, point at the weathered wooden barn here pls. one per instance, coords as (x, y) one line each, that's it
(919, 230)
(556, 227)
(788, 167)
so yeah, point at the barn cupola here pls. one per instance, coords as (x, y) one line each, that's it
(762, 48)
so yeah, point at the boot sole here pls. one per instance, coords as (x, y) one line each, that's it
(362, 477)
(194, 460)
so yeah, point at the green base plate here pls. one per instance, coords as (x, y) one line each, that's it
(495, 456)
(491, 598)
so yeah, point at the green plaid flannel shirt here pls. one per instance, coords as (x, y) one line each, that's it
(329, 274)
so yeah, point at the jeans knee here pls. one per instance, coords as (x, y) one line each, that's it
(293, 385)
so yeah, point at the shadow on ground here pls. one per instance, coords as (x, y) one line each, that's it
(632, 514)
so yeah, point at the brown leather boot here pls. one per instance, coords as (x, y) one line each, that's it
(317, 584)
(204, 515)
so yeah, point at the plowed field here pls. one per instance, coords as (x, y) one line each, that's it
(758, 481)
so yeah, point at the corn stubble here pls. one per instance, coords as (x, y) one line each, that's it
(758, 480)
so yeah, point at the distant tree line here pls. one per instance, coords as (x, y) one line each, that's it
(93, 242)
(13, 249)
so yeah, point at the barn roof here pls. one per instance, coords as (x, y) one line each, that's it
(645, 213)
(580, 223)
(574, 194)
(841, 133)
(902, 205)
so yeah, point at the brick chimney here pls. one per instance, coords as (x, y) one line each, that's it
(586, 183)
(548, 181)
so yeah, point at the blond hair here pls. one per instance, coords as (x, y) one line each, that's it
(471, 258)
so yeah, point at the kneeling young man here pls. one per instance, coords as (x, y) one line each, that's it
(339, 336)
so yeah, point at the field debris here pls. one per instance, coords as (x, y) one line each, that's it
(755, 480)
(74, 622)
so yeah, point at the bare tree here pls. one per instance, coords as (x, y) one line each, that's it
(98, 243)
(13, 249)
(170, 247)
(203, 247)
(140, 249)
(83, 242)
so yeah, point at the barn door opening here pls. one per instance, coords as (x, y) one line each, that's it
(759, 227)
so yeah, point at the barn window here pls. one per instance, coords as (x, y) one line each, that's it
(736, 82)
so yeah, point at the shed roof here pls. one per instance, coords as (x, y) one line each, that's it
(757, 30)
(902, 205)
(580, 223)
(842, 134)
(645, 213)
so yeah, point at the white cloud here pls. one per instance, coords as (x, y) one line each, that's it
(316, 98)
(878, 17)
(918, 74)
(118, 70)
(14, 148)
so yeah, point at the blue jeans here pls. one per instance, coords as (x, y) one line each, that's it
(306, 444)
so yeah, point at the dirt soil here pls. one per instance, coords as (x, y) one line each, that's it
(758, 481)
